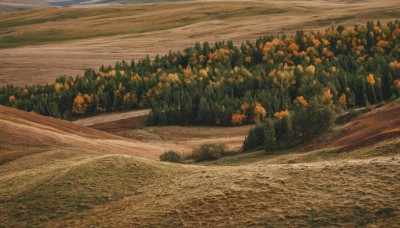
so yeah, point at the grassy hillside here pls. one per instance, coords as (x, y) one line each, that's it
(11, 6)
(71, 186)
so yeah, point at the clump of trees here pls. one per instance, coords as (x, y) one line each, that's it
(287, 129)
(223, 84)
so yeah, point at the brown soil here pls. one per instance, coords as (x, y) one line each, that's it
(376, 126)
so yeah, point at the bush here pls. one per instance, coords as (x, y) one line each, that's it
(208, 152)
(172, 156)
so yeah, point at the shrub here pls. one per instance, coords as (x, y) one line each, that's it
(172, 156)
(208, 152)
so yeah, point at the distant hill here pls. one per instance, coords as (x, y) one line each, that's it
(8, 6)
(91, 2)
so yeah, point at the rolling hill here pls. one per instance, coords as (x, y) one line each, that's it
(67, 175)
(10, 6)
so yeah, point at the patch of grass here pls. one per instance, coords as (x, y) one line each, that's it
(243, 158)
(97, 182)
(59, 17)
(326, 22)
(381, 14)
(248, 12)
(48, 36)
(385, 212)
(53, 35)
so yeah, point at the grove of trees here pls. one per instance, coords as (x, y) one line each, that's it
(274, 78)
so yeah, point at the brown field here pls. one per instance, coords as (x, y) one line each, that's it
(54, 173)
(38, 46)
(131, 125)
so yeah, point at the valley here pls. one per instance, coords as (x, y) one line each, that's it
(78, 176)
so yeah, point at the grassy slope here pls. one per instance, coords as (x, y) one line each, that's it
(54, 24)
(12, 6)
(77, 187)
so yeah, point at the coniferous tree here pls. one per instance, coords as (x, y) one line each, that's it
(269, 138)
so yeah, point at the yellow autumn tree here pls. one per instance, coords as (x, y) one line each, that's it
(79, 107)
(301, 100)
(310, 69)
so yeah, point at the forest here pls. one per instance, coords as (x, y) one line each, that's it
(270, 79)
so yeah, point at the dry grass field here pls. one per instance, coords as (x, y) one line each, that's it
(39, 45)
(68, 175)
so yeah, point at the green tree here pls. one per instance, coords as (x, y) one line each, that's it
(251, 141)
(204, 112)
(269, 138)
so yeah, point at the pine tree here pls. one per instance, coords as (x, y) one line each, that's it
(269, 139)
(287, 135)
(251, 141)
(259, 131)
(203, 116)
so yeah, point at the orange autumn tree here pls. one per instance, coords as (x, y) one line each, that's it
(281, 114)
(301, 100)
(259, 112)
(11, 98)
(238, 119)
(81, 103)
(370, 79)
